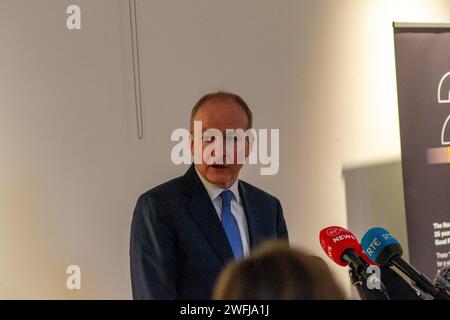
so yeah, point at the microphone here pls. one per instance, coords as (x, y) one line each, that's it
(381, 246)
(397, 287)
(442, 279)
(341, 246)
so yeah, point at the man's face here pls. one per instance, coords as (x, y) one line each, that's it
(221, 114)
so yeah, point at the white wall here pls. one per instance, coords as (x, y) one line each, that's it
(71, 167)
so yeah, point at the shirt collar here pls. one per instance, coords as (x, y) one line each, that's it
(215, 191)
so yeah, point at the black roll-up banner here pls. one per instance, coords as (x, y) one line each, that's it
(423, 81)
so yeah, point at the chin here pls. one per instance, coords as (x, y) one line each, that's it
(220, 181)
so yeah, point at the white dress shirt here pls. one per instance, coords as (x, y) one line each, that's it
(237, 208)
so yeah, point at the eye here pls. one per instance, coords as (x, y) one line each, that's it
(209, 139)
(231, 139)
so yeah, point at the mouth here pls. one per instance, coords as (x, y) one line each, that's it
(219, 166)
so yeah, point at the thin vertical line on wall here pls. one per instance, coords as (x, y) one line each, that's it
(136, 69)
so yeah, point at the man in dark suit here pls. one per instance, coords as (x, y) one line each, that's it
(186, 230)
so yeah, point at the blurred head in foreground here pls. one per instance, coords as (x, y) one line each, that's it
(275, 271)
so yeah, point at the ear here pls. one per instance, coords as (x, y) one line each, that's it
(191, 143)
(249, 144)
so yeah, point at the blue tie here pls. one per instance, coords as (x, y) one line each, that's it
(230, 225)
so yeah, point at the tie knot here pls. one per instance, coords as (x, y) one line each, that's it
(226, 198)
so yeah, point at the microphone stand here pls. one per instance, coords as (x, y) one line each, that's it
(357, 283)
(359, 280)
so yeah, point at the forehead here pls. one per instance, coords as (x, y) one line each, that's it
(224, 113)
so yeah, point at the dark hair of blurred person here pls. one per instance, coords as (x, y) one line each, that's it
(275, 271)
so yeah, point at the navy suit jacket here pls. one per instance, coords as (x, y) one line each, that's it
(178, 246)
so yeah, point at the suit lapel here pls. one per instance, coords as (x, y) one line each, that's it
(254, 215)
(204, 214)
